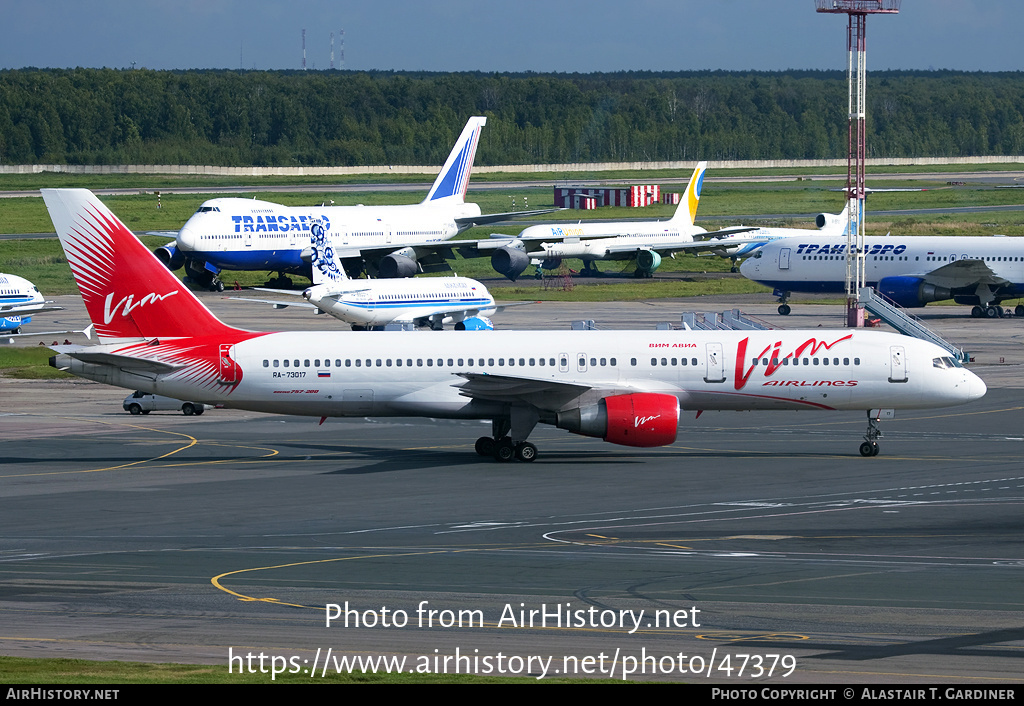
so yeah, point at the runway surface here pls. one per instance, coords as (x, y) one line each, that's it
(172, 538)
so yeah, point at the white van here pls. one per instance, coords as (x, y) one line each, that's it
(143, 403)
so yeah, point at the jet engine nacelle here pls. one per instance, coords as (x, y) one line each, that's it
(910, 292)
(647, 260)
(170, 256)
(400, 263)
(641, 419)
(475, 323)
(510, 260)
(827, 219)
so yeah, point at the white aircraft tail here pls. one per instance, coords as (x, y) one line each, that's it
(129, 294)
(686, 213)
(453, 180)
(326, 264)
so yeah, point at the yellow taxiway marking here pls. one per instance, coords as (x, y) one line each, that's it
(192, 441)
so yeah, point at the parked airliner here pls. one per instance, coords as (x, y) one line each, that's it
(645, 241)
(389, 241)
(19, 300)
(375, 303)
(827, 223)
(625, 387)
(977, 271)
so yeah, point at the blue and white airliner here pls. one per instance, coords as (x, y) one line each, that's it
(375, 303)
(19, 300)
(388, 241)
(912, 271)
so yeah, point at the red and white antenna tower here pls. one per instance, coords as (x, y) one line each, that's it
(332, 50)
(856, 73)
(341, 40)
(303, 50)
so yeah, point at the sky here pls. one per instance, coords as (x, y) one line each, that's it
(483, 35)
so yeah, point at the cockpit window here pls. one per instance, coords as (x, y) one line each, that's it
(207, 209)
(945, 362)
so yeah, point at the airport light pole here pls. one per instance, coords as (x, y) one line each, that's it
(856, 73)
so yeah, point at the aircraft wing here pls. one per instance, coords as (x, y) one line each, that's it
(501, 307)
(27, 309)
(725, 232)
(696, 246)
(964, 273)
(545, 394)
(431, 256)
(276, 303)
(498, 217)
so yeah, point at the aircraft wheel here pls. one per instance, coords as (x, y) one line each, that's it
(504, 451)
(187, 409)
(526, 452)
(485, 446)
(993, 312)
(145, 411)
(734, 269)
(978, 312)
(200, 409)
(1018, 310)
(135, 410)
(869, 448)
(784, 309)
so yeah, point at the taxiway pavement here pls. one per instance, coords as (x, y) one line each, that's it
(172, 538)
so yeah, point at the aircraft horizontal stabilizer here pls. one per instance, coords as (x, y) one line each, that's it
(126, 362)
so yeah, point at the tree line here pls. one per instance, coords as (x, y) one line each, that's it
(345, 118)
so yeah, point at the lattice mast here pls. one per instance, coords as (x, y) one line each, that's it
(856, 74)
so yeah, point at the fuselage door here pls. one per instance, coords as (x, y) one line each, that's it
(715, 363)
(784, 258)
(229, 373)
(897, 364)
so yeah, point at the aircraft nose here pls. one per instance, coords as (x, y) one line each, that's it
(976, 387)
(187, 238)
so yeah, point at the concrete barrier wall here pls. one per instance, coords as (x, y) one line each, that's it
(511, 169)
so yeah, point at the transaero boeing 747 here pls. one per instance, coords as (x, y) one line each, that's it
(627, 388)
(912, 271)
(390, 241)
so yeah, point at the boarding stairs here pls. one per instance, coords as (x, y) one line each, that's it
(904, 323)
(732, 320)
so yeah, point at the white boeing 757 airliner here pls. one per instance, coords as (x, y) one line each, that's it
(627, 388)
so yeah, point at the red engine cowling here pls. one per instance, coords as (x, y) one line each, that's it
(640, 419)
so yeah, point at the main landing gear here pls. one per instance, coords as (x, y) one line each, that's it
(995, 311)
(870, 445)
(503, 447)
